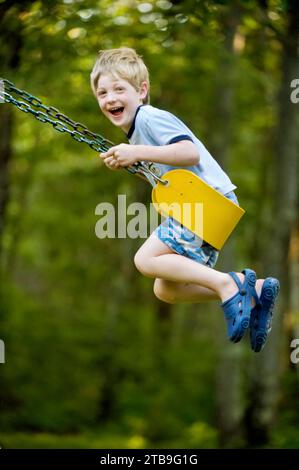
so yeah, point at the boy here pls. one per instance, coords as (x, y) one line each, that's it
(181, 264)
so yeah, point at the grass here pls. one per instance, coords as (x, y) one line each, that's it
(26, 440)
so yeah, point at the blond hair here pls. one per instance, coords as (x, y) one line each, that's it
(124, 63)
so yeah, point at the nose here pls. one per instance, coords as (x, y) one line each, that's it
(110, 98)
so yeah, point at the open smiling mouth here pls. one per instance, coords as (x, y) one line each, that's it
(117, 111)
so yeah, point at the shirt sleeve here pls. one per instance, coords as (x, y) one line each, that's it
(164, 128)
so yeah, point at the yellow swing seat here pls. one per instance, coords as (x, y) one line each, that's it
(208, 213)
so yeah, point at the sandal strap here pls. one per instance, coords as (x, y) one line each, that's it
(236, 279)
(252, 288)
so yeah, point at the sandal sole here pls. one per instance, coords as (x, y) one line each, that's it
(259, 333)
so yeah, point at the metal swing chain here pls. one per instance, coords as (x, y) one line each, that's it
(59, 121)
(62, 123)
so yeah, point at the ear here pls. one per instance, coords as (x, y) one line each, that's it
(143, 91)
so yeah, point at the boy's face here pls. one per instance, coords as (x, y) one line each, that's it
(119, 100)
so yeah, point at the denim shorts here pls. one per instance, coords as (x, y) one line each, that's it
(186, 243)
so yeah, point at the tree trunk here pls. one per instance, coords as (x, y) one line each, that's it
(264, 388)
(228, 374)
(5, 155)
(10, 47)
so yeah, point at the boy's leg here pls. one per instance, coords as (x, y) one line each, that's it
(169, 291)
(178, 292)
(179, 279)
(154, 259)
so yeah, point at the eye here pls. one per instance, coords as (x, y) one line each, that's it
(119, 88)
(101, 93)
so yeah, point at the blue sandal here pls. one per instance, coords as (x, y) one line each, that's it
(237, 309)
(262, 314)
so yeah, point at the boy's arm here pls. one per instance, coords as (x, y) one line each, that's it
(183, 153)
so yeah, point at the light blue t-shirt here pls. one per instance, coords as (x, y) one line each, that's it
(153, 126)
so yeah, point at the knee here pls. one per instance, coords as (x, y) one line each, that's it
(143, 264)
(164, 292)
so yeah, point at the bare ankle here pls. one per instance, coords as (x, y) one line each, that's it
(229, 287)
(258, 286)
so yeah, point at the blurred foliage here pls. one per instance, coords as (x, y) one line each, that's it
(89, 363)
